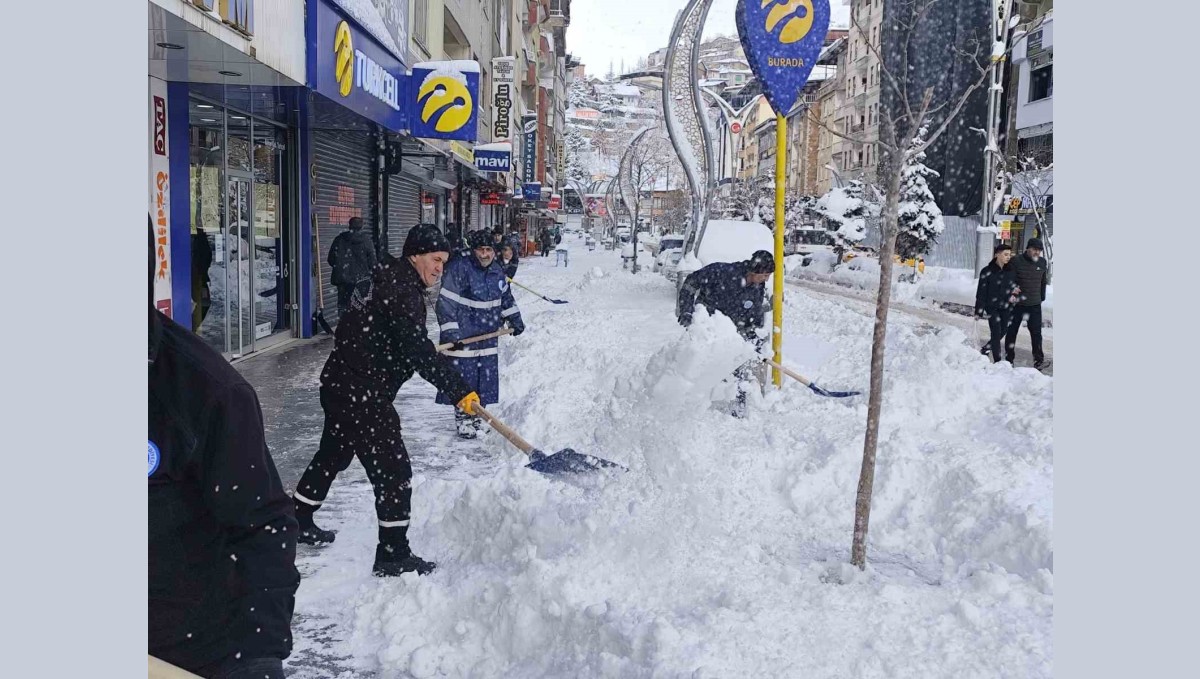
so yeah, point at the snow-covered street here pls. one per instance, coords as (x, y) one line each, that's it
(723, 551)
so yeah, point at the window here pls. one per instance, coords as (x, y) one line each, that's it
(503, 34)
(420, 22)
(1041, 83)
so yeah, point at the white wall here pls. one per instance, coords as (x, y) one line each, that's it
(279, 36)
(1030, 114)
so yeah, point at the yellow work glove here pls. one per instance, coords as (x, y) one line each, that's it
(468, 403)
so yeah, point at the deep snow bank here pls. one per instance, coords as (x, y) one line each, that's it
(720, 553)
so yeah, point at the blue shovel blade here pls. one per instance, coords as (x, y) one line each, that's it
(833, 394)
(567, 461)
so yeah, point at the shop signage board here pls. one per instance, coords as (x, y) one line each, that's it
(782, 40)
(503, 80)
(349, 67)
(529, 127)
(160, 194)
(442, 99)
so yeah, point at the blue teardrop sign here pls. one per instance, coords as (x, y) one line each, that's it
(782, 40)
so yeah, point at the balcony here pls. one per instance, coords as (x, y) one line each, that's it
(560, 14)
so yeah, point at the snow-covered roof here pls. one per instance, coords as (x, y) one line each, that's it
(623, 90)
(461, 65)
(496, 146)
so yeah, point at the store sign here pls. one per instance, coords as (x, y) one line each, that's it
(529, 127)
(350, 68)
(555, 202)
(160, 195)
(463, 152)
(503, 78)
(531, 191)
(782, 40)
(442, 96)
(493, 158)
(492, 199)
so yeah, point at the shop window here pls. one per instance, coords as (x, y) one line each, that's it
(1041, 83)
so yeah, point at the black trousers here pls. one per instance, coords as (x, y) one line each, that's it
(345, 292)
(1034, 314)
(368, 428)
(998, 326)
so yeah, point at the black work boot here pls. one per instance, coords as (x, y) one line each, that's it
(393, 555)
(391, 562)
(310, 534)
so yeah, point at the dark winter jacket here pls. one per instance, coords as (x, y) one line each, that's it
(352, 256)
(510, 268)
(202, 257)
(222, 549)
(996, 286)
(722, 287)
(1032, 277)
(382, 340)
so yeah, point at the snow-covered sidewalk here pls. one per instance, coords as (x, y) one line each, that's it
(722, 551)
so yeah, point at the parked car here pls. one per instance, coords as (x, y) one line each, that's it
(670, 263)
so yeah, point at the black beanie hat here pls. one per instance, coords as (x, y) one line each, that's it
(480, 239)
(762, 262)
(1034, 244)
(423, 239)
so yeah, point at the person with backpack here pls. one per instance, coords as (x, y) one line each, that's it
(995, 297)
(351, 257)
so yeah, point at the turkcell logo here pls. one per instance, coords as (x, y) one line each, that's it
(793, 18)
(375, 81)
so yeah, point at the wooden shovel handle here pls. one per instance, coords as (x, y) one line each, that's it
(787, 371)
(504, 430)
(477, 338)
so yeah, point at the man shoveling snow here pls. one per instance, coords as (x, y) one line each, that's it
(737, 290)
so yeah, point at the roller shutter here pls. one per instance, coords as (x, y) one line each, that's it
(404, 210)
(343, 190)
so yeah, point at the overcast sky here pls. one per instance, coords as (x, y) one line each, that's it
(609, 30)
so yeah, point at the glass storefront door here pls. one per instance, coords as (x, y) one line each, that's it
(240, 232)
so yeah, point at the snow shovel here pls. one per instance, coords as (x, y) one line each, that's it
(565, 461)
(552, 301)
(318, 317)
(816, 390)
(477, 338)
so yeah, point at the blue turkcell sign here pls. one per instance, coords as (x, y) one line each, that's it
(531, 191)
(346, 65)
(442, 100)
(782, 40)
(489, 160)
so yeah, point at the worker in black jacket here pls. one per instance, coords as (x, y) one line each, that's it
(382, 343)
(737, 290)
(222, 536)
(995, 296)
(1032, 276)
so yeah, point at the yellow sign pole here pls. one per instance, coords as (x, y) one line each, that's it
(777, 302)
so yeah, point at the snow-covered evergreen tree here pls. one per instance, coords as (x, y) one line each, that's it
(846, 210)
(919, 218)
(579, 155)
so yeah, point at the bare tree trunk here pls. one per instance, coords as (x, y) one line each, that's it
(866, 478)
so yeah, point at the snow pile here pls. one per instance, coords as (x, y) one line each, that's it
(733, 241)
(721, 551)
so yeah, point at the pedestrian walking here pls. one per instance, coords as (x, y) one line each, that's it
(737, 290)
(547, 239)
(475, 300)
(1032, 277)
(995, 297)
(508, 260)
(377, 350)
(351, 258)
(222, 534)
(202, 259)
